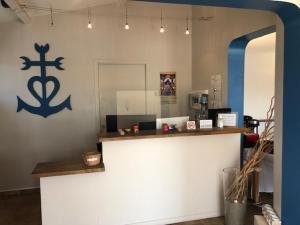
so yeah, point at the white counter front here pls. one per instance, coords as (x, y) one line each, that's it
(146, 182)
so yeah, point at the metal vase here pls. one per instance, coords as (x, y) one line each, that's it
(235, 211)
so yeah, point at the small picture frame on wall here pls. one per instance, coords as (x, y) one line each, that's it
(168, 87)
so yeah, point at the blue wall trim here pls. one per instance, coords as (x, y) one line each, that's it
(236, 62)
(236, 74)
(290, 16)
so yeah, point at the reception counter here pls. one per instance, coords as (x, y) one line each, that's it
(149, 178)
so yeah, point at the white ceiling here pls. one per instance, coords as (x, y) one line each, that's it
(69, 5)
(296, 2)
(64, 5)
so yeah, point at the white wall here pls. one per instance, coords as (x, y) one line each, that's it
(259, 76)
(211, 40)
(27, 139)
(278, 114)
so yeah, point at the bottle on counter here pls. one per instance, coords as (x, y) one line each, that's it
(220, 123)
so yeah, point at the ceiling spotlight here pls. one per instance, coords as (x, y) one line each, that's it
(126, 21)
(90, 26)
(187, 31)
(162, 29)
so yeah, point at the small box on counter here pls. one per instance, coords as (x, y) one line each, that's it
(206, 124)
(191, 125)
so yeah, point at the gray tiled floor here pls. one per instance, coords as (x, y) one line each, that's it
(24, 209)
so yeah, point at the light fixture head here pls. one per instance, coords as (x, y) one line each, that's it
(162, 29)
(90, 26)
(127, 27)
(187, 31)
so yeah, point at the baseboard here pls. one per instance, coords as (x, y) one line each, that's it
(186, 218)
(13, 192)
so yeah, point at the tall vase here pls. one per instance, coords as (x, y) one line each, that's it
(235, 211)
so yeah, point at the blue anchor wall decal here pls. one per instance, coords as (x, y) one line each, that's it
(44, 109)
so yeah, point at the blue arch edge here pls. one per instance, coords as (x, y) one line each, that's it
(236, 74)
(236, 62)
(290, 16)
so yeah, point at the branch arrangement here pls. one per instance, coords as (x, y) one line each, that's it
(264, 145)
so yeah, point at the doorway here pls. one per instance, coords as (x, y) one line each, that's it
(259, 88)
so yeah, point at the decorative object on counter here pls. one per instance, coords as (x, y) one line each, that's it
(121, 132)
(270, 215)
(172, 127)
(165, 127)
(229, 119)
(91, 158)
(198, 101)
(235, 211)
(44, 109)
(191, 125)
(205, 124)
(237, 189)
(168, 87)
(179, 129)
(127, 130)
(178, 121)
(220, 122)
(135, 128)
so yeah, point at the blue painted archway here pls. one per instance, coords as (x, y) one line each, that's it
(236, 62)
(290, 16)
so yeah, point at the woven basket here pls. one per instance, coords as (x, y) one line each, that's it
(91, 158)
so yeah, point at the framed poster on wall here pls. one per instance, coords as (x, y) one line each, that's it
(168, 87)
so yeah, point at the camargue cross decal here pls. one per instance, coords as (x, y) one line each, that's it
(44, 109)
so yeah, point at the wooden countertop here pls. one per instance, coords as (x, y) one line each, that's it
(49, 169)
(104, 137)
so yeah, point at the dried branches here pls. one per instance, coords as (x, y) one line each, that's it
(237, 190)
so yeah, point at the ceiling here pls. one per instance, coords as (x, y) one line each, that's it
(296, 2)
(68, 4)
(7, 15)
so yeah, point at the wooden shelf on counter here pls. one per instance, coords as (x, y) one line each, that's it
(104, 137)
(49, 169)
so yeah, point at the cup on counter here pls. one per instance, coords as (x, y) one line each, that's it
(165, 127)
(135, 128)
